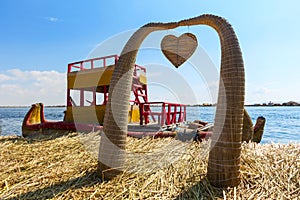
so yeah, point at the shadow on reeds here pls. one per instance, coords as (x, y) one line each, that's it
(201, 190)
(89, 179)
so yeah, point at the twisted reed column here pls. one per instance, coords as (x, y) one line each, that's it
(224, 158)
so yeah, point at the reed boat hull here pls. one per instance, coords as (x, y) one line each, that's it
(35, 125)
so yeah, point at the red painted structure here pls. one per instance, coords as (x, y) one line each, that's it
(170, 113)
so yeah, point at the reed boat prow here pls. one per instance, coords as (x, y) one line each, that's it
(35, 125)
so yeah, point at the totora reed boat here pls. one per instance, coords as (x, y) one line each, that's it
(87, 96)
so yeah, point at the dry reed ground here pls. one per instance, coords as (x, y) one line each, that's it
(65, 168)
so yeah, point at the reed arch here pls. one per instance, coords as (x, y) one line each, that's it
(224, 158)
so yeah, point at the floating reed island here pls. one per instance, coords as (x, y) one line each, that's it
(166, 168)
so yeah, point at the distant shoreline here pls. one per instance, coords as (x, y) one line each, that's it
(55, 106)
(196, 105)
(248, 105)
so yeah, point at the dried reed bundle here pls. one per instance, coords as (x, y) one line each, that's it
(65, 168)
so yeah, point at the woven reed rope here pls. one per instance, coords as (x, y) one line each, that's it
(224, 158)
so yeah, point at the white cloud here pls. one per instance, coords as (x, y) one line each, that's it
(52, 19)
(26, 87)
(4, 77)
(269, 91)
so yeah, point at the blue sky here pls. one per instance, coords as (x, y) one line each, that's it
(39, 37)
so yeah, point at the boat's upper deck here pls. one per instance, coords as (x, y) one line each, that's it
(97, 72)
(88, 89)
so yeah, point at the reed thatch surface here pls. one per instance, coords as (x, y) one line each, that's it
(65, 168)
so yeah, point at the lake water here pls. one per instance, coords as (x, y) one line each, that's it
(283, 123)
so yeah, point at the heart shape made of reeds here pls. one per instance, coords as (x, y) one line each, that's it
(179, 49)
